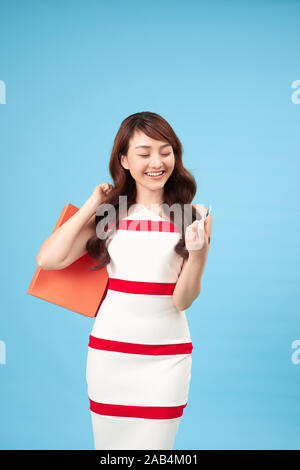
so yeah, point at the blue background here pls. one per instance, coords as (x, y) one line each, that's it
(221, 73)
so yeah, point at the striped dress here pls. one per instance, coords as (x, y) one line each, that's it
(139, 353)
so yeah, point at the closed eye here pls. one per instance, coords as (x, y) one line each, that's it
(164, 154)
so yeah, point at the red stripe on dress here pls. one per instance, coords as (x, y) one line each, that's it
(141, 287)
(150, 412)
(143, 225)
(136, 348)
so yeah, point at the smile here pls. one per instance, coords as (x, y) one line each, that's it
(155, 175)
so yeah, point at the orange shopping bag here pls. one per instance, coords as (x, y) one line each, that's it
(75, 287)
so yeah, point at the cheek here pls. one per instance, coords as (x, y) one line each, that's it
(171, 164)
(137, 170)
(143, 168)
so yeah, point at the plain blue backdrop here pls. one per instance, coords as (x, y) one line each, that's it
(221, 73)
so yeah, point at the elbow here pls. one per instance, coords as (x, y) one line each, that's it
(41, 262)
(180, 306)
(184, 306)
(45, 265)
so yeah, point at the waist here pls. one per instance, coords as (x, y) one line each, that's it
(141, 287)
(140, 348)
(136, 318)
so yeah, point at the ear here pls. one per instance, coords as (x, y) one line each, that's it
(123, 161)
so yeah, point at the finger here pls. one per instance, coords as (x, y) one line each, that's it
(195, 225)
(200, 226)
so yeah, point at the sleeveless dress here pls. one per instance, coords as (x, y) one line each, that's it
(139, 360)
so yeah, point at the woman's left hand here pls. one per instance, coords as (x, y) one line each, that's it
(197, 236)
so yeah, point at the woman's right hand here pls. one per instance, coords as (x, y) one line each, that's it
(101, 191)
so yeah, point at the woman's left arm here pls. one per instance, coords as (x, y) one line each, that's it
(188, 285)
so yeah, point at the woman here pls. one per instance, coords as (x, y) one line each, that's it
(139, 355)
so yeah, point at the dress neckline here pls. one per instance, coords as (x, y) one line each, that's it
(143, 208)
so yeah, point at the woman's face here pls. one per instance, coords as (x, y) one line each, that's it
(146, 155)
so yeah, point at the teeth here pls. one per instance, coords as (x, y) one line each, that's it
(155, 174)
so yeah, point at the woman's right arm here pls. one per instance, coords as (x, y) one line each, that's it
(68, 242)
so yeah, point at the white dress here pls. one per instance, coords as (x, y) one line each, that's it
(139, 354)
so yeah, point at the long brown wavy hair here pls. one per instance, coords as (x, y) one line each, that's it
(180, 188)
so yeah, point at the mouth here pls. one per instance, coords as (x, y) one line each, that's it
(155, 175)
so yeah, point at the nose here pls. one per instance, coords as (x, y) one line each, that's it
(156, 162)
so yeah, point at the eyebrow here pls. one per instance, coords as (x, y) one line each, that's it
(149, 146)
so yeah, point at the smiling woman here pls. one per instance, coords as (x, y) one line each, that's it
(140, 332)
